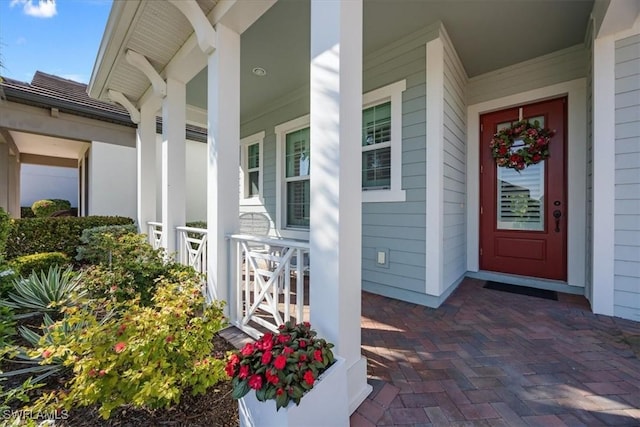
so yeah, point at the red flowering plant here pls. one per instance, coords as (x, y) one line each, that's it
(282, 366)
(521, 145)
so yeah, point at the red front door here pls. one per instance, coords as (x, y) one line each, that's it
(523, 215)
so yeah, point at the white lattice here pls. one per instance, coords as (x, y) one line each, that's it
(155, 234)
(265, 296)
(192, 248)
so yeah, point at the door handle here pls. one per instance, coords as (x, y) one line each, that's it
(557, 214)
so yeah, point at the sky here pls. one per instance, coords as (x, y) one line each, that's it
(59, 37)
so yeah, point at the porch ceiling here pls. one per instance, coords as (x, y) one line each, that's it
(488, 35)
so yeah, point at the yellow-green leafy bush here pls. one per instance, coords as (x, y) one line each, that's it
(44, 208)
(37, 263)
(143, 356)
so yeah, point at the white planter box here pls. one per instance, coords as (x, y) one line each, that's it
(326, 404)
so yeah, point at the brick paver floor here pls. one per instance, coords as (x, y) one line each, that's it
(491, 358)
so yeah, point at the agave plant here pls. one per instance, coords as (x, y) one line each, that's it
(62, 327)
(33, 365)
(45, 292)
(33, 362)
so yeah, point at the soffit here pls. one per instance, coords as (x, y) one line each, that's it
(158, 31)
(30, 143)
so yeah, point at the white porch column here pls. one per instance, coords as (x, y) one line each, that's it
(4, 175)
(603, 175)
(434, 261)
(336, 190)
(223, 156)
(146, 152)
(173, 162)
(14, 185)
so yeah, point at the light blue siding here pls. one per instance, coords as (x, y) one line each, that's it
(561, 66)
(455, 180)
(287, 108)
(396, 226)
(627, 179)
(400, 226)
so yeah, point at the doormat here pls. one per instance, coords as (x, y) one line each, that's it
(522, 290)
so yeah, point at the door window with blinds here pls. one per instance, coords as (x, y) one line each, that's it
(520, 194)
(376, 147)
(297, 178)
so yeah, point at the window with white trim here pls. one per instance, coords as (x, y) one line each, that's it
(251, 169)
(382, 144)
(293, 177)
(297, 179)
(381, 160)
(376, 147)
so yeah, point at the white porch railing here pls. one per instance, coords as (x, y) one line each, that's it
(155, 234)
(192, 248)
(265, 296)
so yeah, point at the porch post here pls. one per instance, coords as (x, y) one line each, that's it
(434, 250)
(336, 190)
(4, 175)
(223, 75)
(146, 152)
(603, 218)
(14, 185)
(173, 162)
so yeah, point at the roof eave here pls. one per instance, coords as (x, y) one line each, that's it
(41, 101)
(121, 19)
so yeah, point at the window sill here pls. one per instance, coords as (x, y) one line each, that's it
(294, 233)
(252, 201)
(380, 196)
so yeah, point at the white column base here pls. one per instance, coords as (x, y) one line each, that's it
(358, 387)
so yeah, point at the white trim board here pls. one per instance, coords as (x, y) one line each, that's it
(575, 90)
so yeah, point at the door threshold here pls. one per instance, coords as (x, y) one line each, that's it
(533, 282)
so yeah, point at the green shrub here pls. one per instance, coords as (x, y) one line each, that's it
(132, 271)
(36, 263)
(7, 326)
(148, 356)
(197, 224)
(61, 234)
(26, 212)
(7, 276)
(5, 227)
(20, 393)
(44, 208)
(97, 242)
